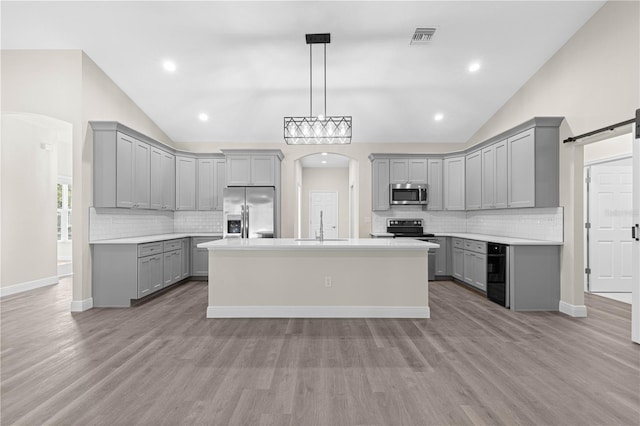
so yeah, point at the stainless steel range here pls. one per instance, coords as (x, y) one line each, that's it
(413, 228)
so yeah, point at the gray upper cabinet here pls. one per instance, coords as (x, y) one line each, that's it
(380, 184)
(163, 180)
(494, 176)
(132, 173)
(501, 175)
(205, 199)
(434, 168)
(211, 182)
(250, 170)
(473, 180)
(454, 183)
(238, 170)
(263, 170)
(219, 179)
(522, 170)
(185, 183)
(412, 170)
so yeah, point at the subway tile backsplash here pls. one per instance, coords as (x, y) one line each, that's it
(537, 224)
(533, 223)
(107, 223)
(205, 221)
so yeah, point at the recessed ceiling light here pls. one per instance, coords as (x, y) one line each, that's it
(324, 161)
(325, 153)
(438, 117)
(203, 117)
(473, 67)
(169, 66)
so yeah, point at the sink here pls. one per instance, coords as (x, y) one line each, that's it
(326, 239)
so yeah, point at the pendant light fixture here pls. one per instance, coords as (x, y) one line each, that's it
(322, 129)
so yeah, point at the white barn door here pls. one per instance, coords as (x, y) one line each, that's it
(610, 215)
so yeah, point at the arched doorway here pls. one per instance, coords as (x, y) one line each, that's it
(326, 182)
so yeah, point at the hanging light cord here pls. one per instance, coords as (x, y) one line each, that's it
(310, 82)
(325, 81)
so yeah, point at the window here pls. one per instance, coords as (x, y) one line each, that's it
(64, 210)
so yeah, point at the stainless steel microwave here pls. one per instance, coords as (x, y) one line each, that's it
(408, 193)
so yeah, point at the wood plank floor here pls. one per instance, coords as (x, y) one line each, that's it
(164, 363)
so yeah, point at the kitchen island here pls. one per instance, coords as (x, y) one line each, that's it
(282, 278)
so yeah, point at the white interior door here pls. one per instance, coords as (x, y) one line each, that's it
(327, 202)
(610, 215)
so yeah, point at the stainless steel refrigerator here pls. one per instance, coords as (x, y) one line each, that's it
(249, 212)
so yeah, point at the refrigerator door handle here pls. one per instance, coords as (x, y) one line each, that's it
(247, 222)
(242, 221)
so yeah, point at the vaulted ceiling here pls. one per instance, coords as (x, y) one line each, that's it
(246, 64)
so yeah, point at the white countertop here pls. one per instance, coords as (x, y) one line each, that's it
(157, 237)
(499, 240)
(292, 244)
(483, 237)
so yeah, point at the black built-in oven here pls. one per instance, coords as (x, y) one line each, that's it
(497, 279)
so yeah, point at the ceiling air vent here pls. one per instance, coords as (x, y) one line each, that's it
(423, 35)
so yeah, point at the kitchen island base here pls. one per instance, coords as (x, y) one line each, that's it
(318, 283)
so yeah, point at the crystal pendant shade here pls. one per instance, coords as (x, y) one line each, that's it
(323, 129)
(317, 131)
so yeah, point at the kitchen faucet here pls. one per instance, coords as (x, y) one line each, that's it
(321, 236)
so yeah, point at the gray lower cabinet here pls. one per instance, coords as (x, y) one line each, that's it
(186, 257)
(534, 277)
(200, 257)
(457, 263)
(149, 275)
(442, 268)
(470, 262)
(172, 267)
(125, 272)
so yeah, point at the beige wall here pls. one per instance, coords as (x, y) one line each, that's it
(29, 197)
(326, 179)
(35, 84)
(593, 81)
(66, 85)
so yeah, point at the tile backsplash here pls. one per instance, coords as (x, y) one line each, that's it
(534, 223)
(107, 223)
(537, 224)
(205, 221)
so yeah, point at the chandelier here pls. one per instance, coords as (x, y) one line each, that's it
(321, 129)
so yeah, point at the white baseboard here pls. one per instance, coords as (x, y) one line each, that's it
(578, 311)
(29, 285)
(318, 312)
(81, 305)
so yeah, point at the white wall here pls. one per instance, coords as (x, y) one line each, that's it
(326, 179)
(593, 81)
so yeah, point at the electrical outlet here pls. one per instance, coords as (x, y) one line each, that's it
(327, 281)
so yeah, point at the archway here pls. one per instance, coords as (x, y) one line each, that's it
(333, 175)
